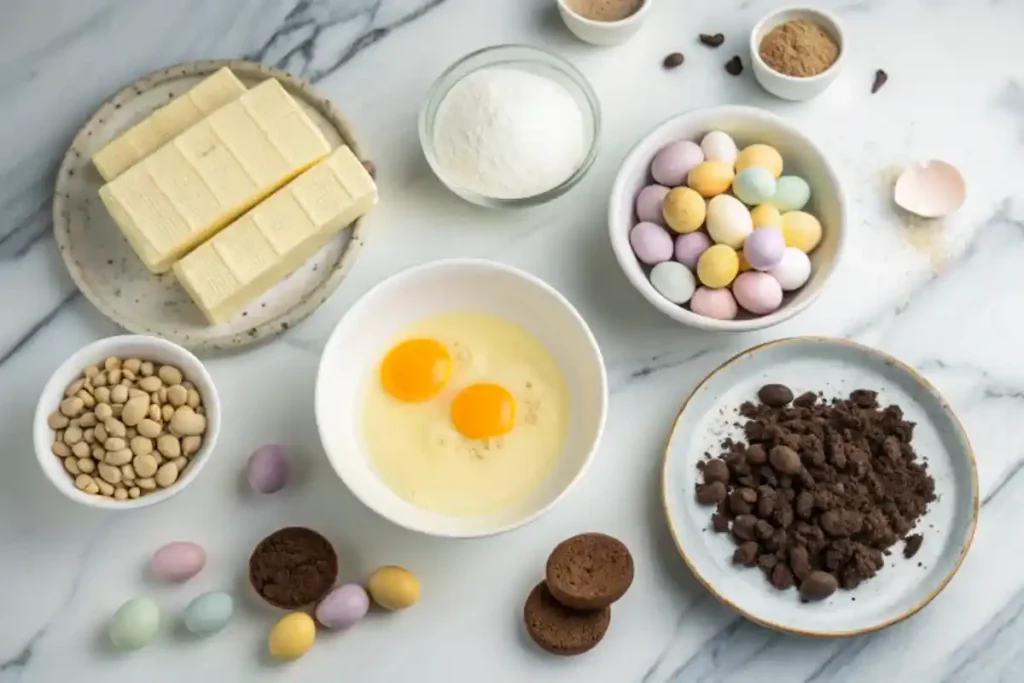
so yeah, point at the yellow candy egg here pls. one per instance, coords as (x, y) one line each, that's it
(744, 263)
(684, 210)
(766, 215)
(801, 230)
(394, 587)
(711, 178)
(718, 266)
(760, 155)
(292, 636)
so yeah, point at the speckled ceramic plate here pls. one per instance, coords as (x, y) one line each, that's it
(834, 367)
(109, 273)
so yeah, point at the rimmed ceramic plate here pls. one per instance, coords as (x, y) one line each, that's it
(835, 367)
(111, 276)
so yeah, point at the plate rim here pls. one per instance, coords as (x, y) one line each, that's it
(820, 633)
(270, 328)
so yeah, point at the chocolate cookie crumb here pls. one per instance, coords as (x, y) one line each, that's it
(712, 39)
(880, 78)
(591, 571)
(734, 66)
(913, 544)
(559, 629)
(293, 567)
(673, 60)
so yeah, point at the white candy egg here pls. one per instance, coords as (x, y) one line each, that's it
(718, 146)
(729, 221)
(793, 270)
(674, 281)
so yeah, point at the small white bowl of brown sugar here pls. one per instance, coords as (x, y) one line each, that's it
(797, 52)
(604, 22)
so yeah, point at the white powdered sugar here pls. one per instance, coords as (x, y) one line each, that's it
(507, 133)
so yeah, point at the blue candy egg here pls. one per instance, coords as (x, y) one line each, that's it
(209, 613)
(754, 185)
(791, 193)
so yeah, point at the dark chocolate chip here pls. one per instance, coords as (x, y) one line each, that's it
(734, 67)
(818, 585)
(914, 542)
(673, 60)
(775, 395)
(880, 79)
(712, 39)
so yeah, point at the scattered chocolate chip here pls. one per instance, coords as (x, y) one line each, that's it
(734, 66)
(775, 395)
(673, 60)
(712, 39)
(818, 585)
(914, 542)
(880, 78)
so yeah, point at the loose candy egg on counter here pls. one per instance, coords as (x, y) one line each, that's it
(690, 246)
(791, 193)
(269, 468)
(674, 281)
(343, 607)
(650, 243)
(718, 266)
(711, 178)
(793, 271)
(754, 185)
(764, 248)
(209, 613)
(766, 215)
(764, 156)
(134, 624)
(801, 230)
(674, 161)
(178, 562)
(292, 636)
(729, 221)
(649, 203)
(393, 587)
(759, 293)
(684, 210)
(714, 303)
(718, 146)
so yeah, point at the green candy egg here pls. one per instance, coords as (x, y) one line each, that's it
(791, 193)
(134, 624)
(209, 613)
(754, 185)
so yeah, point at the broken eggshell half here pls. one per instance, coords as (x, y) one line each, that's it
(930, 189)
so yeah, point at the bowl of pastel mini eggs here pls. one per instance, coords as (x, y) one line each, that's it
(727, 218)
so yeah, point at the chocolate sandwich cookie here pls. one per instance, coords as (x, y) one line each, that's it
(293, 567)
(589, 571)
(559, 629)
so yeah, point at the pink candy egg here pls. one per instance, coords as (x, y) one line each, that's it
(651, 243)
(764, 247)
(758, 293)
(649, 202)
(674, 161)
(714, 303)
(269, 468)
(690, 246)
(178, 562)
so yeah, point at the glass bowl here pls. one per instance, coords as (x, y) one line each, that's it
(527, 59)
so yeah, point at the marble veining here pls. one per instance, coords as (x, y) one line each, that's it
(942, 296)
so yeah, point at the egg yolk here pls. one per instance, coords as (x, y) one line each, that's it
(483, 411)
(416, 369)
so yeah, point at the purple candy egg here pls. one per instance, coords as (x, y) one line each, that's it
(714, 303)
(674, 161)
(651, 243)
(649, 202)
(758, 293)
(690, 246)
(269, 468)
(764, 247)
(343, 607)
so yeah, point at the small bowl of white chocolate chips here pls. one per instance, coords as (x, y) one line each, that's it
(126, 422)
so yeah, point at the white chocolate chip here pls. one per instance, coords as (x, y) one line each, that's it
(119, 394)
(145, 465)
(71, 465)
(115, 427)
(105, 488)
(187, 422)
(57, 420)
(135, 410)
(170, 375)
(149, 428)
(146, 369)
(120, 493)
(190, 445)
(110, 473)
(86, 465)
(122, 456)
(141, 445)
(80, 450)
(146, 483)
(134, 492)
(168, 445)
(71, 407)
(166, 475)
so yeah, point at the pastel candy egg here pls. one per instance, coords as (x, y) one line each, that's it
(269, 469)
(292, 636)
(650, 243)
(674, 161)
(766, 215)
(717, 266)
(793, 271)
(791, 193)
(684, 210)
(760, 155)
(209, 613)
(393, 587)
(134, 624)
(759, 293)
(711, 178)
(801, 230)
(690, 246)
(343, 607)
(754, 185)
(714, 303)
(764, 248)
(674, 281)
(178, 562)
(744, 263)
(649, 204)
(718, 146)
(729, 221)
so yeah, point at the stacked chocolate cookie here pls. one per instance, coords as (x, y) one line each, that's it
(569, 612)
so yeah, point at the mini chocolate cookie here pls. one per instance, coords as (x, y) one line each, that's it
(559, 629)
(589, 571)
(293, 567)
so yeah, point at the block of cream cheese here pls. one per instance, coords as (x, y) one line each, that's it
(163, 125)
(186, 191)
(254, 253)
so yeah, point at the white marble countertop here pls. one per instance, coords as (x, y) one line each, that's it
(941, 298)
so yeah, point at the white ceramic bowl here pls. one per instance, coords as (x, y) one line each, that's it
(125, 346)
(352, 354)
(790, 87)
(603, 32)
(746, 125)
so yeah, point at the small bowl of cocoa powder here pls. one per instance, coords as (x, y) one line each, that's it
(797, 52)
(604, 22)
